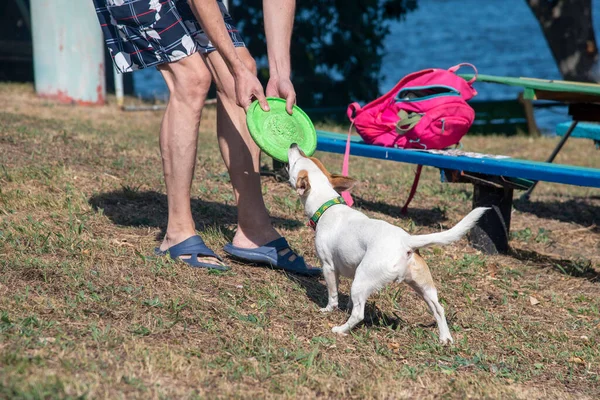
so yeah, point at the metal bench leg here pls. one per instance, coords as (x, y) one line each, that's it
(560, 145)
(491, 233)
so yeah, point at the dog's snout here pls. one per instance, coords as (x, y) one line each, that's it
(293, 152)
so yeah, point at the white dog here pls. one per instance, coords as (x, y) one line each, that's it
(371, 251)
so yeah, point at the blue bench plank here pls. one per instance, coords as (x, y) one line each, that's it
(584, 130)
(515, 168)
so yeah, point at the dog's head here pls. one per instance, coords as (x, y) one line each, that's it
(308, 173)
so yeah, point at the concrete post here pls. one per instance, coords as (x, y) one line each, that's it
(68, 51)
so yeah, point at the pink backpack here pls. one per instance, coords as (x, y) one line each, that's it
(425, 110)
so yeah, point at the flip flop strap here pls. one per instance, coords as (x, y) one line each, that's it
(193, 246)
(282, 244)
(279, 244)
(298, 262)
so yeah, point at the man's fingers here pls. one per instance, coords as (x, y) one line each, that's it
(244, 103)
(289, 102)
(262, 100)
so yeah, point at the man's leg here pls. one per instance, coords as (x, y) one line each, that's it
(241, 156)
(188, 81)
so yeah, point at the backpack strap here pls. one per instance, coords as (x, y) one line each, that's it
(407, 121)
(413, 189)
(457, 67)
(351, 111)
(346, 195)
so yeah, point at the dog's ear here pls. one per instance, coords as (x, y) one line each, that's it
(342, 183)
(302, 183)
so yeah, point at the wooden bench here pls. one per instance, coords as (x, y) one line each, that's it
(494, 180)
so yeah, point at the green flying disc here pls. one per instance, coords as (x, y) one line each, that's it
(275, 131)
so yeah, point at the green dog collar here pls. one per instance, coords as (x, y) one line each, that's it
(315, 218)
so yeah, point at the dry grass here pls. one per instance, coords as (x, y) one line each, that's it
(85, 312)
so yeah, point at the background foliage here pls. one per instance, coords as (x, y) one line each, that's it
(337, 46)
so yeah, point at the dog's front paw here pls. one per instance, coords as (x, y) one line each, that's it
(446, 340)
(340, 330)
(329, 308)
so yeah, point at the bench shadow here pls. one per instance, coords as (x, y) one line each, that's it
(421, 216)
(580, 268)
(130, 207)
(574, 210)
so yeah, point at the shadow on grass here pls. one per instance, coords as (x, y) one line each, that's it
(129, 207)
(575, 210)
(580, 268)
(317, 293)
(421, 216)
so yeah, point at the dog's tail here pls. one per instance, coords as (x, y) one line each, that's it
(451, 235)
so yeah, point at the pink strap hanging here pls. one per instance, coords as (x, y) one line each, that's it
(346, 195)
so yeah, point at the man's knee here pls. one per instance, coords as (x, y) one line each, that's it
(191, 87)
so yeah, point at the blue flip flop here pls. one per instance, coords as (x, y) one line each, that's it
(269, 254)
(194, 247)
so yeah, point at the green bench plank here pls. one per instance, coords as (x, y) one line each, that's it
(532, 84)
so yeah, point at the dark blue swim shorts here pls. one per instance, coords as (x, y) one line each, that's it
(145, 33)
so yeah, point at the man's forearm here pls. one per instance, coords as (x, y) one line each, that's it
(209, 16)
(279, 21)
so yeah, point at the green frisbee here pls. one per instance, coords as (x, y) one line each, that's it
(274, 131)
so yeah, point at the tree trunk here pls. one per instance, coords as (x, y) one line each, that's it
(569, 31)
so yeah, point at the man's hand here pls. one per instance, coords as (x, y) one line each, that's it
(248, 88)
(282, 88)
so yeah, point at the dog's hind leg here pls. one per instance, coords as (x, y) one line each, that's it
(419, 278)
(361, 289)
(332, 280)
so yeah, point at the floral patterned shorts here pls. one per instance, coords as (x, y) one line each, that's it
(145, 33)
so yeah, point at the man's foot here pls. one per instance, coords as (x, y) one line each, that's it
(255, 238)
(194, 252)
(277, 254)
